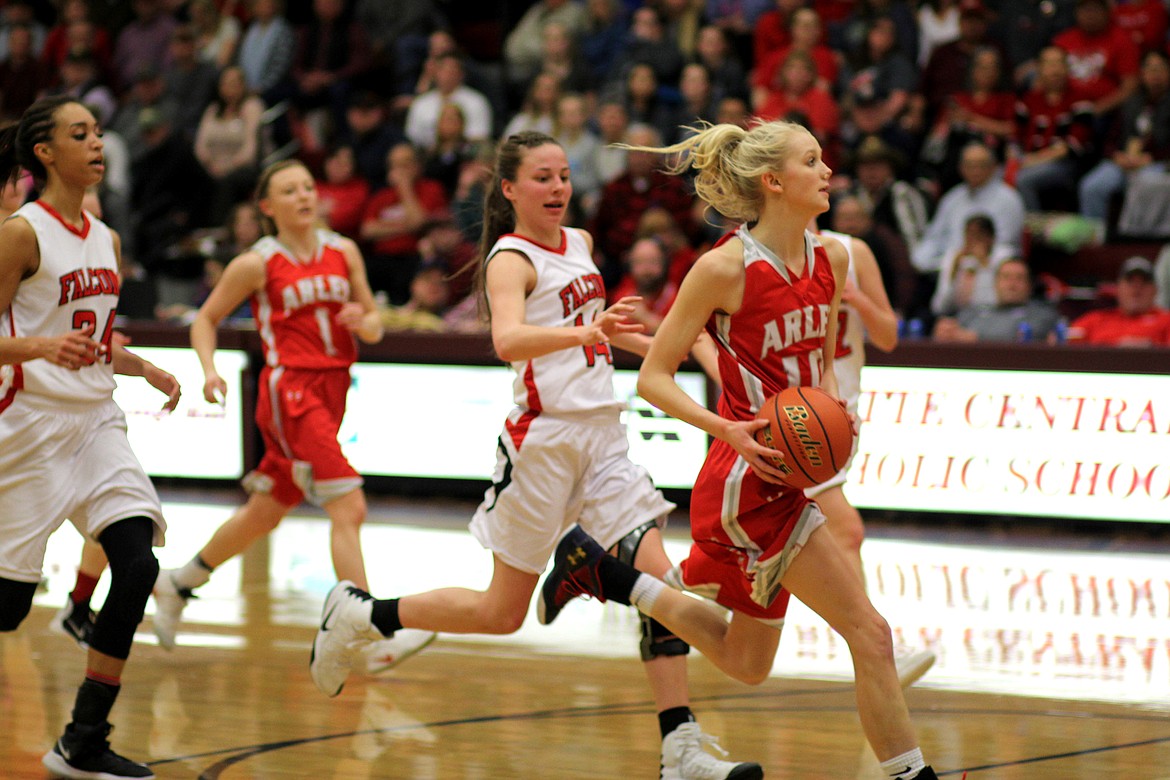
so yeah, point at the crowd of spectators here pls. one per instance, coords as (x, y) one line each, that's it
(954, 127)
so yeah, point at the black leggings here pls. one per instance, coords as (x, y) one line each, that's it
(133, 570)
(15, 602)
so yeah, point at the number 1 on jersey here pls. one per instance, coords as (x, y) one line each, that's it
(322, 315)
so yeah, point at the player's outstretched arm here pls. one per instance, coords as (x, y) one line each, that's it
(510, 278)
(360, 315)
(714, 283)
(839, 258)
(128, 364)
(243, 276)
(706, 354)
(870, 299)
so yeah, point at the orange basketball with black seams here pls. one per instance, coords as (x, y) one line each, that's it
(813, 431)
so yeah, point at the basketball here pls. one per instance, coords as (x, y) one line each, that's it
(813, 431)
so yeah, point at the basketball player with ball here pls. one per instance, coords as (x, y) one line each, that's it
(562, 456)
(769, 296)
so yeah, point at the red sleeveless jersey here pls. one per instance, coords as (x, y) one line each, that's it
(773, 341)
(744, 528)
(296, 311)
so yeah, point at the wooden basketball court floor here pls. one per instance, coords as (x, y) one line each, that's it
(1054, 662)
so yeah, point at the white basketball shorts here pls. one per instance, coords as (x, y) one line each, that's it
(554, 472)
(60, 461)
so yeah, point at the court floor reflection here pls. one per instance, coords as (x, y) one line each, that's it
(1052, 620)
(1054, 660)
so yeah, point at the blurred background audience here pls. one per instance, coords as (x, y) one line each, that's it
(977, 145)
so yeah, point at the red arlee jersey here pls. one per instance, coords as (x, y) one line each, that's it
(774, 341)
(296, 311)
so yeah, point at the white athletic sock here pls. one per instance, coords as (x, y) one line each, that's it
(905, 766)
(191, 575)
(645, 592)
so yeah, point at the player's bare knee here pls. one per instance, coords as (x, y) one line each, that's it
(266, 522)
(751, 672)
(348, 514)
(351, 521)
(872, 639)
(852, 538)
(504, 620)
(848, 534)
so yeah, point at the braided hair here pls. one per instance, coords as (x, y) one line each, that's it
(18, 140)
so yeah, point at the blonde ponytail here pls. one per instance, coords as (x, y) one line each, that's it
(730, 162)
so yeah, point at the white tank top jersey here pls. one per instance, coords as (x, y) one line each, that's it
(568, 292)
(75, 287)
(850, 355)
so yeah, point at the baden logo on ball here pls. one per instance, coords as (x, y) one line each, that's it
(812, 430)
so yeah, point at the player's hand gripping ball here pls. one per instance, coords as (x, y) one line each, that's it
(813, 431)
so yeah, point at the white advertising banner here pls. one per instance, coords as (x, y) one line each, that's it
(1031, 443)
(443, 421)
(198, 439)
(1028, 443)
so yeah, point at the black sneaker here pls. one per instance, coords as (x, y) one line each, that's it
(928, 774)
(83, 753)
(574, 573)
(74, 621)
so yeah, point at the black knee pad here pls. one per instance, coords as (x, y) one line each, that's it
(133, 570)
(658, 641)
(15, 602)
(627, 547)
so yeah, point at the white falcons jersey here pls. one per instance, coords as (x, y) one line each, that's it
(568, 292)
(850, 356)
(75, 287)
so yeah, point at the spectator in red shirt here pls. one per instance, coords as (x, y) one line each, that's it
(806, 37)
(642, 186)
(772, 31)
(984, 112)
(58, 42)
(681, 255)
(647, 276)
(1136, 321)
(1139, 147)
(342, 195)
(394, 220)
(1053, 131)
(1102, 60)
(950, 63)
(798, 91)
(1144, 21)
(22, 76)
